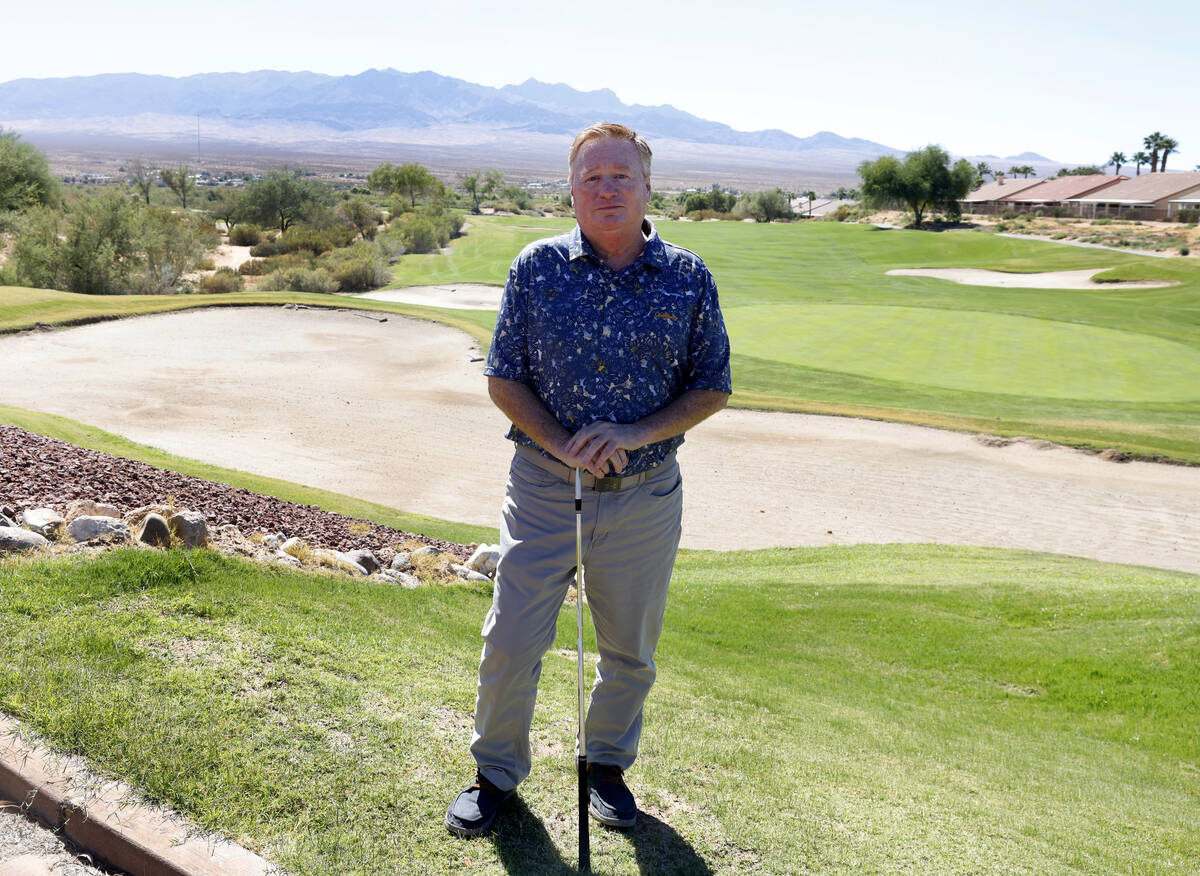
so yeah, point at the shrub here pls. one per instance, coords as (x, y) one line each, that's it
(300, 280)
(360, 273)
(245, 235)
(224, 280)
(1183, 250)
(1102, 221)
(254, 267)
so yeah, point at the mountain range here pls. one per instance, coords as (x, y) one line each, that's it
(450, 124)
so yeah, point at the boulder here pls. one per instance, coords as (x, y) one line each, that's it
(364, 558)
(340, 561)
(88, 508)
(286, 559)
(409, 582)
(190, 528)
(274, 540)
(484, 559)
(402, 562)
(5, 520)
(137, 515)
(155, 531)
(8, 511)
(468, 574)
(294, 546)
(91, 528)
(427, 551)
(44, 521)
(14, 538)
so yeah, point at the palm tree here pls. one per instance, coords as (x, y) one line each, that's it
(1117, 159)
(983, 168)
(1167, 145)
(1152, 142)
(1140, 159)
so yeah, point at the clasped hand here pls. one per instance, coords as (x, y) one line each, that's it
(601, 448)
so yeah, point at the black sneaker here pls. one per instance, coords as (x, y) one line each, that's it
(609, 799)
(474, 809)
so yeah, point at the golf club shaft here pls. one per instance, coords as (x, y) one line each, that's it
(585, 855)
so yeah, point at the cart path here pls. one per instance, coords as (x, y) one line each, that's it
(397, 413)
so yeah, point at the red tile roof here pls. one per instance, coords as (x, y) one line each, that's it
(1054, 190)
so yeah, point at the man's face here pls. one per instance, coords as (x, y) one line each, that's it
(608, 188)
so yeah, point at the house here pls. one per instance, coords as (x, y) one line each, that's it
(988, 198)
(1149, 196)
(1051, 193)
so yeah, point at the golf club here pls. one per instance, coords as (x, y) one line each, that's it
(585, 854)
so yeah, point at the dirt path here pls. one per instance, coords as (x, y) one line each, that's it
(397, 413)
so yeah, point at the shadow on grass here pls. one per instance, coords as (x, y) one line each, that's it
(525, 847)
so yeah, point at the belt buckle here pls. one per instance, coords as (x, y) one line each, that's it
(606, 485)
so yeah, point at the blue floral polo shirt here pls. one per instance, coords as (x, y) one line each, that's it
(597, 344)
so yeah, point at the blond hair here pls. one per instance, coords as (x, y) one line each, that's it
(617, 132)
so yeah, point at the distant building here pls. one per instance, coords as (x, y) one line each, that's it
(1051, 193)
(989, 198)
(1149, 196)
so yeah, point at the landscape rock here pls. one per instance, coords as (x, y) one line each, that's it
(426, 551)
(364, 558)
(137, 515)
(43, 521)
(402, 562)
(286, 559)
(404, 579)
(484, 559)
(5, 520)
(8, 511)
(155, 531)
(14, 538)
(294, 546)
(91, 528)
(27, 865)
(341, 562)
(88, 508)
(190, 527)
(274, 540)
(468, 574)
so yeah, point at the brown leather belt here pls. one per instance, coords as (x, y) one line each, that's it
(590, 481)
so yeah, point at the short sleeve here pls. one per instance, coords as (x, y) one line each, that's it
(508, 356)
(708, 345)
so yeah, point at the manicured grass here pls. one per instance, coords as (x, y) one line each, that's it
(885, 709)
(97, 439)
(817, 325)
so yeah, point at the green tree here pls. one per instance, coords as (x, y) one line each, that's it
(284, 197)
(409, 180)
(1153, 142)
(470, 184)
(362, 214)
(765, 206)
(1140, 160)
(1116, 160)
(142, 179)
(984, 169)
(1024, 169)
(923, 181)
(25, 178)
(180, 181)
(228, 207)
(1167, 145)
(812, 196)
(493, 181)
(1082, 170)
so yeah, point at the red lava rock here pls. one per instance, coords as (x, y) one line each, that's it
(36, 471)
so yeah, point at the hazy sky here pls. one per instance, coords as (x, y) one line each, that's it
(1073, 81)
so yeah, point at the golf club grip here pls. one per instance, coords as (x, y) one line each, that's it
(585, 852)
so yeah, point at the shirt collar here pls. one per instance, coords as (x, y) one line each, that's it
(653, 253)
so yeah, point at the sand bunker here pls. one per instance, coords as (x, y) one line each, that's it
(1010, 280)
(460, 296)
(398, 413)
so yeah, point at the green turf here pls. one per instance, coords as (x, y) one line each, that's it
(888, 709)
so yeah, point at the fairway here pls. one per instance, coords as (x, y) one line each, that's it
(973, 351)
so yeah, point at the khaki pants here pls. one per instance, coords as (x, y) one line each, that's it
(630, 538)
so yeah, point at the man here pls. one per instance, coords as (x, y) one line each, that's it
(608, 346)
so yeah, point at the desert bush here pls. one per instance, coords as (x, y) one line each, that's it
(254, 268)
(1185, 250)
(245, 235)
(703, 215)
(357, 268)
(224, 280)
(299, 280)
(1102, 221)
